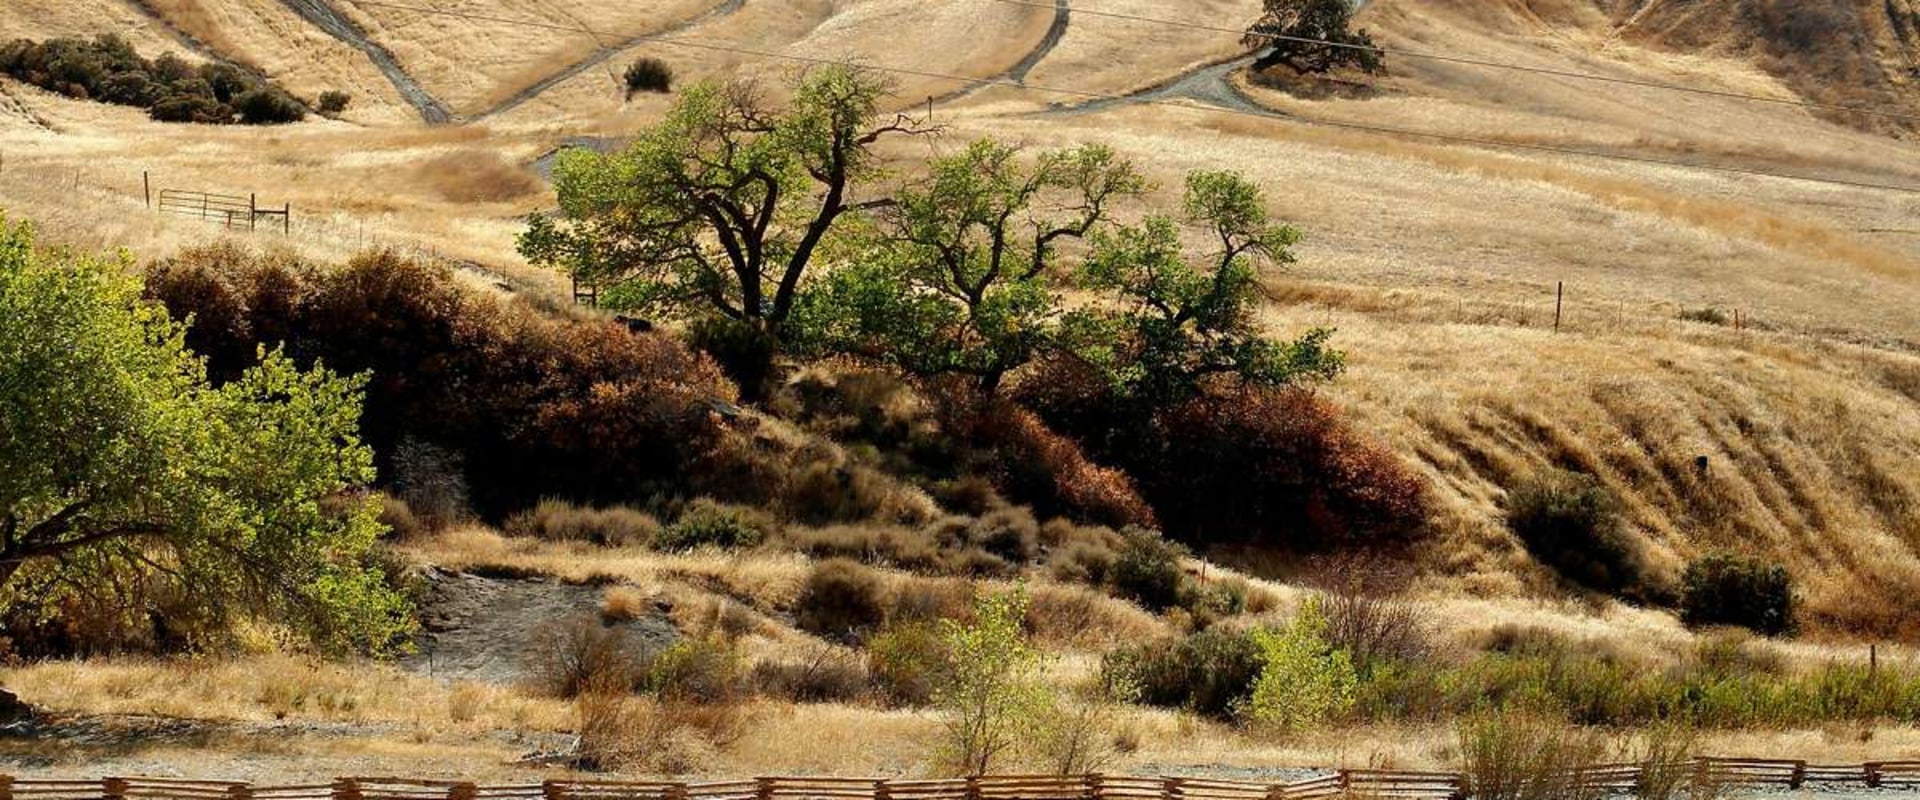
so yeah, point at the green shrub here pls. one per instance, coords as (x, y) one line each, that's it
(841, 600)
(1147, 570)
(703, 670)
(333, 102)
(108, 69)
(1729, 589)
(1304, 680)
(1570, 523)
(1211, 672)
(648, 75)
(265, 106)
(907, 662)
(560, 521)
(707, 523)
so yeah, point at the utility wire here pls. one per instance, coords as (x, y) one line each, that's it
(1387, 51)
(1124, 98)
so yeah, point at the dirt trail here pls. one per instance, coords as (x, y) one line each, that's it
(601, 55)
(324, 16)
(1017, 74)
(1210, 84)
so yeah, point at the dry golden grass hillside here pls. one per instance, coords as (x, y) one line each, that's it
(1437, 260)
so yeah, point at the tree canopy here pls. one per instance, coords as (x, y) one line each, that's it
(1176, 324)
(959, 278)
(1312, 36)
(128, 481)
(720, 208)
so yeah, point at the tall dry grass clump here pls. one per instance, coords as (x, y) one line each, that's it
(1528, 756)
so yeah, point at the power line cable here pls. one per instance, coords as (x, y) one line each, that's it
(1476, 62)
(1111, 96)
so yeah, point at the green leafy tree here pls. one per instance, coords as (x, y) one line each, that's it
(1312, 36)
(1304, 680)
(720, 208)
(990, 695)
(1178, 324)
(961, 280)
(121, 465)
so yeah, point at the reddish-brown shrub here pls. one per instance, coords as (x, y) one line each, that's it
(1032, 464)
(1278, 467)
(1282, 466)
(529, 406)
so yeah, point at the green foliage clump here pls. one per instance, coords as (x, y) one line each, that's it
(1571, 523)
(107, 69)
(648, 75)
(697, 670)
(1304, 680)
(1211, 672)
(1147, 570)
(706, 523)
(908, 662)
(1312, 36)
(1729, 589)
(992, 689)
(127, 478)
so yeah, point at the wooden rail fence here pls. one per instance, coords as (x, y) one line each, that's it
(232, 211)
(1363, 783)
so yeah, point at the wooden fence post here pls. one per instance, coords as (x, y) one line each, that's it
(550, 790)
(1872, 769)
(973, 787)
(1559, 299)
(1799, 775)
(881, 790)
(346, 789)
(763, 788)
(113, 788)
(146, 187)
(253, 211)
(286, 219)
(677, 791)
(1170, 788)
(6, 787)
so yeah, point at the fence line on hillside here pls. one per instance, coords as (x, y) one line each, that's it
(1368, 783)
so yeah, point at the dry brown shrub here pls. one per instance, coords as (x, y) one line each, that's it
(476, 176)
(823, 675)
(1518, 756)
(559, 521)
(582, 655)
(623, 604)
(841, 600)
(1077, 616)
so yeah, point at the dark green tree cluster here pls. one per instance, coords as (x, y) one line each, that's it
(1312, 36)
(109, 70)
(772, 219)
(1022, 284)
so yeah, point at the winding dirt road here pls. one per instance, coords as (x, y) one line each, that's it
(601, 55)
(324, 16)
(1017, 74)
